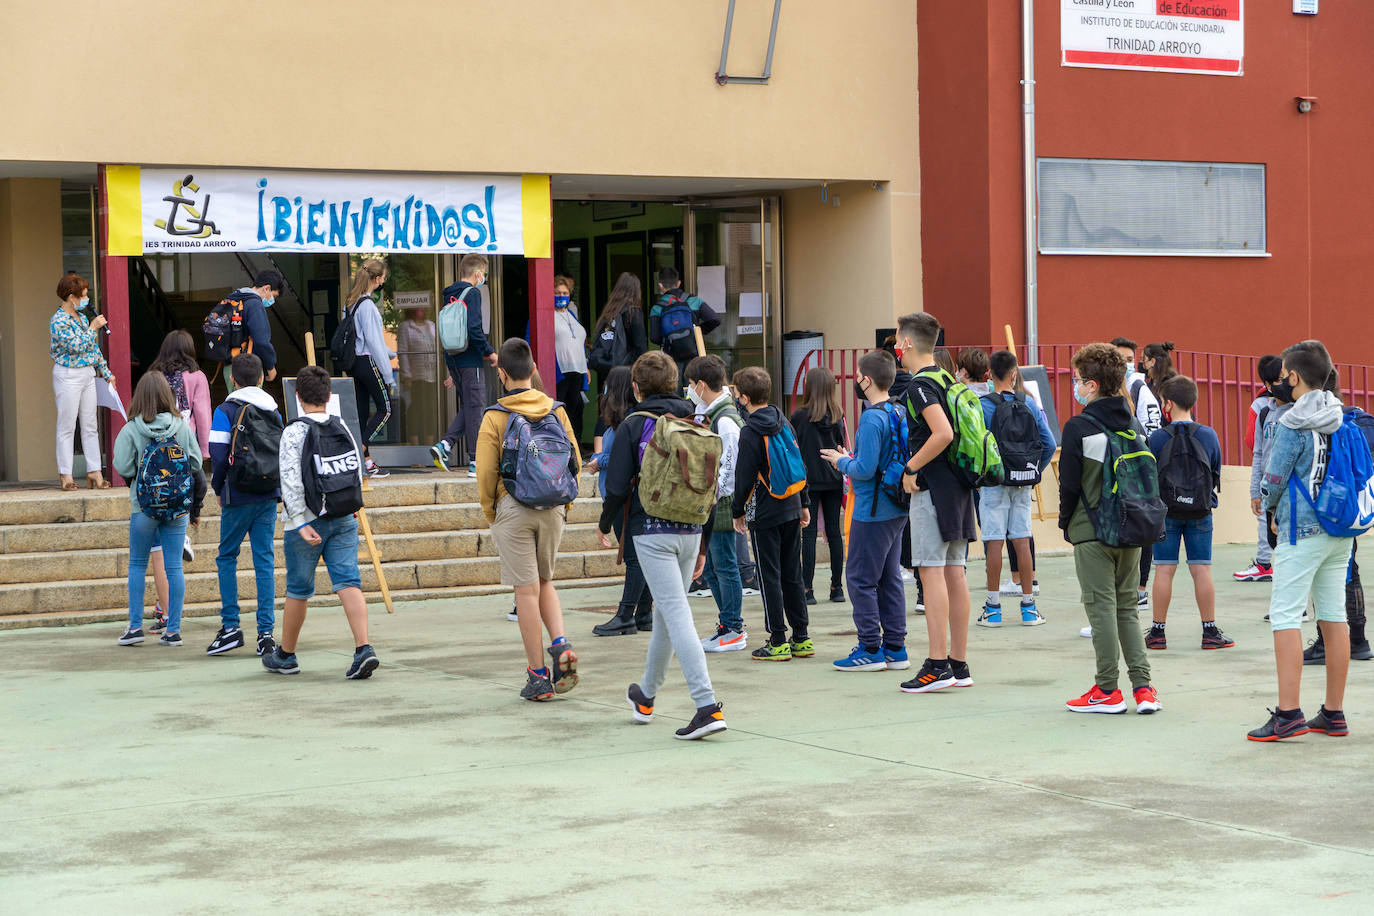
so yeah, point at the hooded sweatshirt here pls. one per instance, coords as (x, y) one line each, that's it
(221, 432)
(529, 403)
(812, 437)
(1301, 446)
(1080, 463)
(256, 327)
(134, 438)
(752, 468)
(623, 467)
(478, 347)
(371, 339)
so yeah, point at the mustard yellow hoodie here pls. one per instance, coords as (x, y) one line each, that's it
(532, 404)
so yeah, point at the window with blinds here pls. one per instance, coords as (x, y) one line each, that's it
(1136, 207)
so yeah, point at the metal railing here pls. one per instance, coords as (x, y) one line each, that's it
(287, 332)
(1227, 384)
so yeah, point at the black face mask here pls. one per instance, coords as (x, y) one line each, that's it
(863, 391)
(1282, 391)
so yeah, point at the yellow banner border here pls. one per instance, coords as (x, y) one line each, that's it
(536, 213)
(125, 210)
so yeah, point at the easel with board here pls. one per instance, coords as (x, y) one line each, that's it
(363, 525)
(1037, 382)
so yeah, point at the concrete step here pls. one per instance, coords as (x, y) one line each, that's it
(26, 598)
(113, 562)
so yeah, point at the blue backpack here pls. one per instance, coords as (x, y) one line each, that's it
(1345, 498)
(538, 463)
(675, 325)
(786, 470)
(892, 466)
(166, 483)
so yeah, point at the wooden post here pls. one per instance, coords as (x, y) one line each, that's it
(701, 341)
(372, 550)
(1011, 340)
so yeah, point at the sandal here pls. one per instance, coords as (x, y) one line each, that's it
(96, 482)
(66, 482)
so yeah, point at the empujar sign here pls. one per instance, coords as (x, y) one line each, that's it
(159, 211)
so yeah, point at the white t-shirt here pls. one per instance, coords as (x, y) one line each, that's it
(569, 341)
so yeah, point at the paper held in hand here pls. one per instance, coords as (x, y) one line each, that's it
(106, 396)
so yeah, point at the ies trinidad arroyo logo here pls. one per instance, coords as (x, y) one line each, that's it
(195, 215)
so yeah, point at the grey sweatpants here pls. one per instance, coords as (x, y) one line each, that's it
(667, 561)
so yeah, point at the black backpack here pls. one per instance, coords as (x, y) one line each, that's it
(1130, 512)
(253, 448)
(612, 347)
(1018, 439)
(223, 330)
(1185, 474)
(331, 469)
(342, 346)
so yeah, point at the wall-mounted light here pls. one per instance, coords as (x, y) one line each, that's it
(1305, 103)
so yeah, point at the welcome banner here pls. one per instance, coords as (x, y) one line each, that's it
(160, 211)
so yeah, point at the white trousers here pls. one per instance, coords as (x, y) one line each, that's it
(74, 390)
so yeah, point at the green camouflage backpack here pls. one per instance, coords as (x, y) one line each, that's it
(1130, 513)
(973, 455)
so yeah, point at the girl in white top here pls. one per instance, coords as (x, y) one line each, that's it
(570, 349)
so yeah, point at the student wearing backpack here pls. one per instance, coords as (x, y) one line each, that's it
(1313, 447)
(465, 368)
(715, 408)
(1103, 453)
(771, 504)
(245, 476)
(1263, 411)
(618, 339)
(873, 567)
(239, 325)
(1145, 405)
(819, 423)
(1188, 457)
(673, 316)
(176, 360)
(374, 383)
(525, 500)
(1026, 445)
(641, 465)
(158, 452)
(942, 520)
(321, 489)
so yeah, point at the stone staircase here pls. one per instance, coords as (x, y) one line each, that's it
(64, 556)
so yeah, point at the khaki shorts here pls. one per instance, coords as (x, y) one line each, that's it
(927, 550)
(527, 540)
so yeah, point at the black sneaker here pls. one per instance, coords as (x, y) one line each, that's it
(1154, 639)
(159, 620)
(1315, 653)
(1360, 651)
(563, 668)
(837, 594)
(707, 721)
(279, 662)
(959, 671)
(365, 661)
(641, 707)
(810, 597)
(170, 639)
(929, 678)
(1279, 728)
(1329, 723)
(265, 644)
(227, 639)
(699, 588)
(1213, 638)
(537, 687)
(131, 637)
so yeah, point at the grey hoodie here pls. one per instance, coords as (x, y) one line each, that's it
(1301, 446)
(134, 438)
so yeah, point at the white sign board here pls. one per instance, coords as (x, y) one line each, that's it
(418, 300)
(1175, 36)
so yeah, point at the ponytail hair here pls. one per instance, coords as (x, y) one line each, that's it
(1163, 368)
(370, 270)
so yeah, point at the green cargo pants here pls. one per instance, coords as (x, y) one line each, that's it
(1108, 578)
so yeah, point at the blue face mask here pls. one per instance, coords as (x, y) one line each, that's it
(85, 302)
(562, 302)
(1079, 397)
(267, 303)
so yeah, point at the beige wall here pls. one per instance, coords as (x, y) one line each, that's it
(30, 266)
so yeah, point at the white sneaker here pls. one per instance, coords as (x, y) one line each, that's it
(188, 553)
(1086, 632)
(1143, 601)
(726, 640)
(907, 576)
(1011, 588)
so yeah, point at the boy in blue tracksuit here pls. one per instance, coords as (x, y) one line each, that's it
(250, 514)
(465, 370)
(257, 330)
(873, 567)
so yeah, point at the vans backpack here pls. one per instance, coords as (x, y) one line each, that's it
(223, 330)
(786, 469)
(1185, 474)
(453, 323)
(538, 462)
(1130, 512)
(331, 469)
(679, 460)
(973, 455)
(892, 465)
(675, 324)
(166, 481)
(1345, 497)
(1018, 439)
(343, 348)
(612, 347)
(253, 448)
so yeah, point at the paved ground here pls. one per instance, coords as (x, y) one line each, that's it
(159, 780)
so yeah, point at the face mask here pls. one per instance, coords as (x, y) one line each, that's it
(482, 282)
(739, 405)
(897, 352)
(863, 389)
(562, 302)
(1282, 391)
(269, 301)
(696, 399)
(1130, 366)
(85, 302)
(1078, 396)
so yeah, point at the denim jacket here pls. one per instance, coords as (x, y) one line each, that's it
(1300, 447)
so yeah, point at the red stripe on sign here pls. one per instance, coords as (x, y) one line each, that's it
(1200, 9)
(1165, 62)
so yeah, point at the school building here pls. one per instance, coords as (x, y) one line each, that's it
(767, 151)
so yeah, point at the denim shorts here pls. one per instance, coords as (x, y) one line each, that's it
(1195, 534)
(1004, 512)
(339, 547)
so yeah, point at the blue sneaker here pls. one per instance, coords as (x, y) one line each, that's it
(442, 452)
(1030, 617)
(862, 660)
(991, 616)
(896, 661)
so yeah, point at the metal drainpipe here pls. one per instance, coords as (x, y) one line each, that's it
(1028, 168)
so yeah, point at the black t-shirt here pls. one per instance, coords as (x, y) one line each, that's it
(920, 394)
(953, 503)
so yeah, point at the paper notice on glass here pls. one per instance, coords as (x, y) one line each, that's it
(106, 396)
(332, 409)
(750, 305)
(711, 286)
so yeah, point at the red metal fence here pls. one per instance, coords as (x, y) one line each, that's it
(1227, 383)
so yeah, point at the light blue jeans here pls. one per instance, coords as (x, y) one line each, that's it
(1316, 566)
(144, 532)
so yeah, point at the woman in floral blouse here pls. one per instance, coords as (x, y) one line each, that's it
(77, 360)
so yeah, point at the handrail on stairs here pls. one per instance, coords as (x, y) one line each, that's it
(154, 295)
